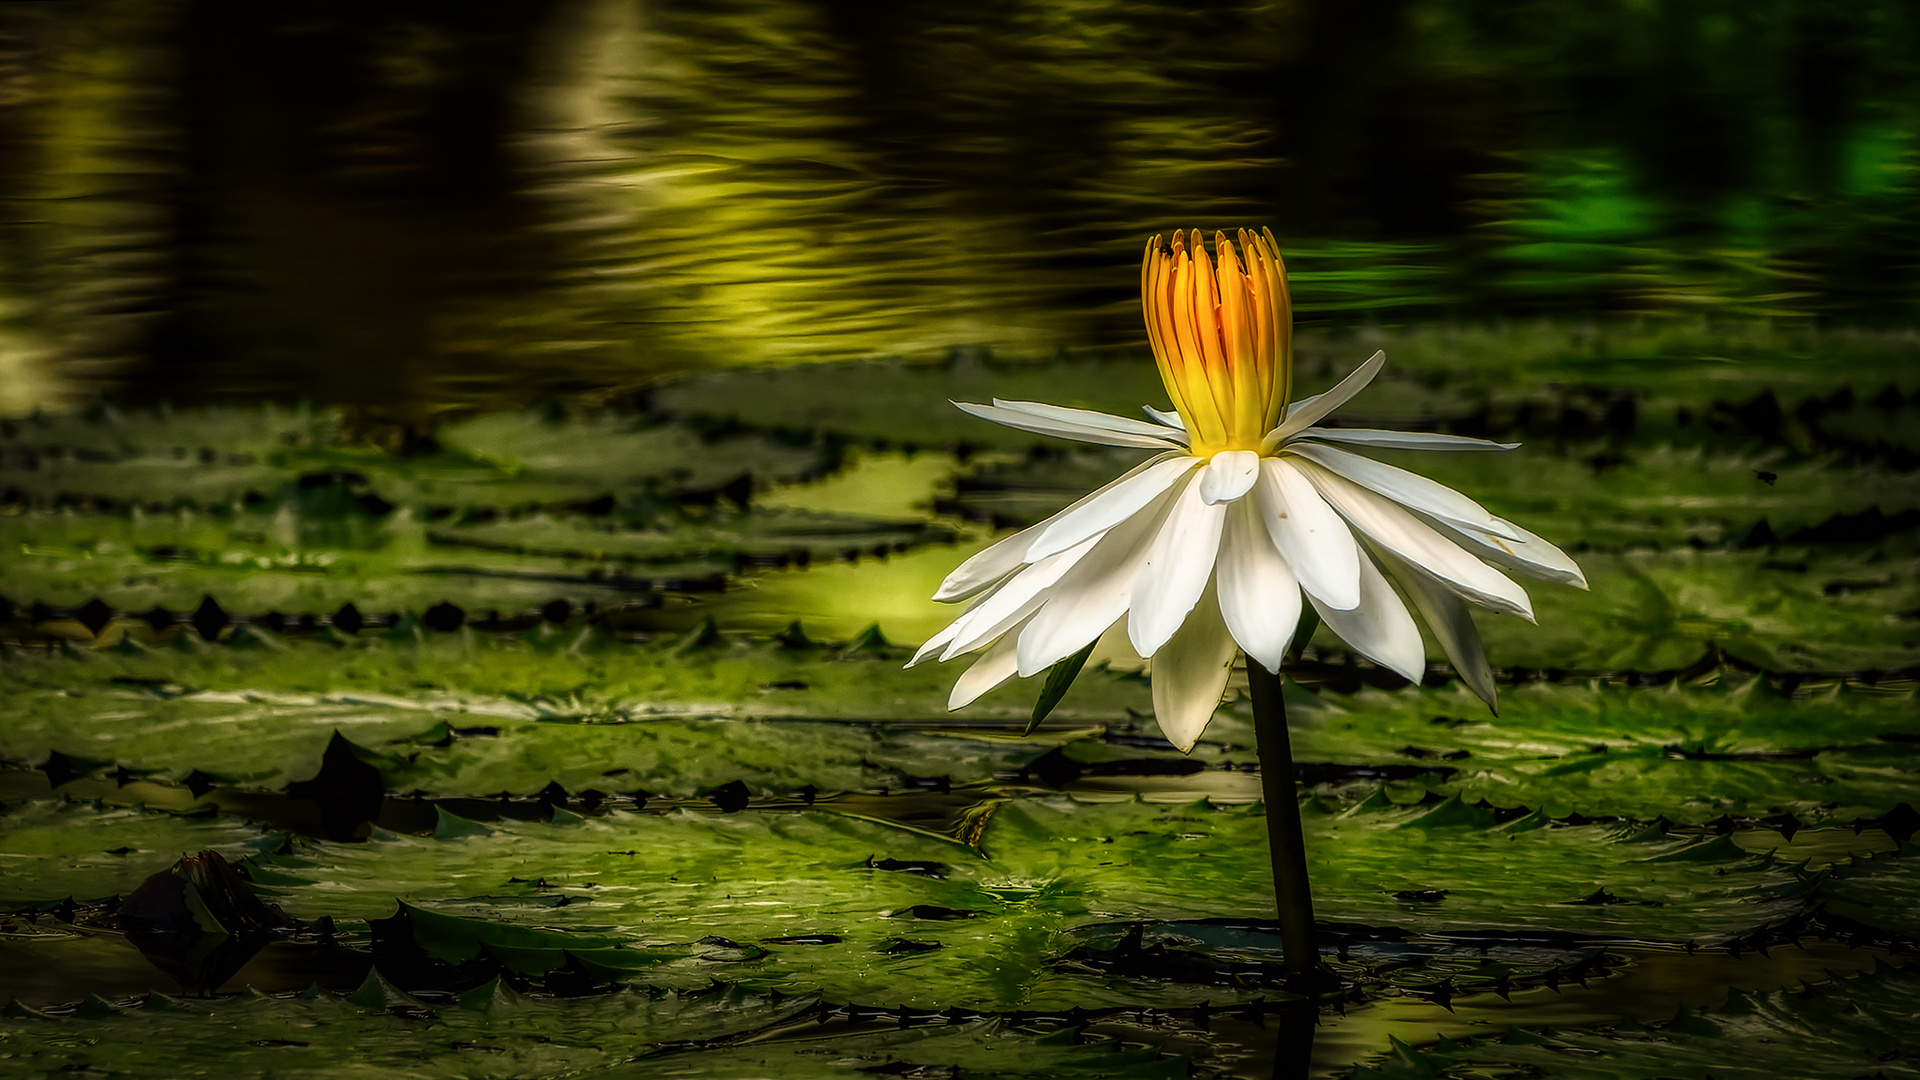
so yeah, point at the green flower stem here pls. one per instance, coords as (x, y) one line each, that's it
(1284, 842)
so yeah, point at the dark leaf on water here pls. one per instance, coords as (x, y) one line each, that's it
(60, 769)
(347, 619)
(347, 789)
(731, 797)
(794, 637)
(94, 615)
(870, 640)
(704, 636)
(209, 619)
(1901, 822)
(443, 617)
(572, 980)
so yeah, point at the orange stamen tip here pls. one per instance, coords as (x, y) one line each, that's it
(1221, 331)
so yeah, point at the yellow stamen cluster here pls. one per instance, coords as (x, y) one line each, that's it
(1222, 334)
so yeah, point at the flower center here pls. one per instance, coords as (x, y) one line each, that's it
(1222, 334)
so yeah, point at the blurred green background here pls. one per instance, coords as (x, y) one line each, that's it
(416, 206)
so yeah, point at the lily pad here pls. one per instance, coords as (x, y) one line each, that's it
(52, 850)
(1881, 892)
(470, 714)
(293, 562)
(989, 1048)
(1690, 754)
(1849, 1028)
(498, 460)
(254, 564)
(1657, 496)
(988, 927)
(1653, 611)
(551, 459)
(107, 432)
(719, 1034)
(497, 1032)
(756, 537)
(1142, 860)
(1650, 382)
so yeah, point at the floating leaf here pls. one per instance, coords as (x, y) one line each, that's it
(381, 1028)
(1850, 1028)
(1879, 893)
(666, 884)
(1656, 496)
(50, 850)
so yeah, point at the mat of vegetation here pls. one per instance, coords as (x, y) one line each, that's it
(505, 766)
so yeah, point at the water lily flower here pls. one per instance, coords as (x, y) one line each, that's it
(1209, 545)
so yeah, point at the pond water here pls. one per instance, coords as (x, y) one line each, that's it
(670, 734)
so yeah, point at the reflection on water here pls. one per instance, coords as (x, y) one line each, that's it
(1649, 984)
(411, 206)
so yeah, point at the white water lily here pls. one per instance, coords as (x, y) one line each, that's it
(1210, 544)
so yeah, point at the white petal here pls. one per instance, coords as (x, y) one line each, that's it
(1452, 625)
(1316, 543)
(1111, 505)
(1303, 403)
(935, 643)
(1393, 528)
(1403, 440)
(1529, 555)
(1087, 418)
(1379, 627)
(1012, 602)
(1259, 596)
(938, 642)
(991, 566)
(1190, 673)
(1095, 593)
(1176, 570)
(1408, 489)
(1311, 412)
(993, 668)
(1171, 419)
(1228, 475)
(1025, 421)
